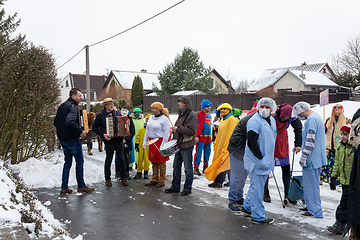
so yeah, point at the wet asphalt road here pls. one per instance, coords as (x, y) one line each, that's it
(139, 212)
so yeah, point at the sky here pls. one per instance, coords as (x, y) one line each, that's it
(240, 39)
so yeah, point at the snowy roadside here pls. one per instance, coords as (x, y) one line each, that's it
(46, 173)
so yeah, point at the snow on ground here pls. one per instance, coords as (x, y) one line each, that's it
(46, 172)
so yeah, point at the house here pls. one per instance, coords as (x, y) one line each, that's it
(223, 86)
(124, 80)
(294, 79)
(79, 81)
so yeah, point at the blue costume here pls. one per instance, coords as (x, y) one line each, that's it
(316, 159)
(204, 134)
(259, 169)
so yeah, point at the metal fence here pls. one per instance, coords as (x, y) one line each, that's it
(245, 101)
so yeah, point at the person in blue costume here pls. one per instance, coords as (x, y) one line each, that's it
(203, 137)
(259, 158)
(313, 157)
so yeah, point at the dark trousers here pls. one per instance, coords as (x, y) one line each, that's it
(118, 147)
(221, 177)
(341, 210)
(285, 178)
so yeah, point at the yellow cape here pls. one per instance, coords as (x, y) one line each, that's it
(221, 160)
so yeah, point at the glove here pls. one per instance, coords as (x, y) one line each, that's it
(332, 183)
(136, 147)
(302, 162)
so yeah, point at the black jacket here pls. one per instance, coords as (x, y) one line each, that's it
(132, 133)
(67, 121)
(238, 138)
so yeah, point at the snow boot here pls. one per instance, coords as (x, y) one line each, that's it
(138, 175)
(266, 196)
(338, 228)
(196, 171)
(146, 175)
(204, 170)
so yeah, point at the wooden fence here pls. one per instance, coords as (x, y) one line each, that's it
(245, 101)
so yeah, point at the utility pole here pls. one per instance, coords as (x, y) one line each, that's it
(87, 79)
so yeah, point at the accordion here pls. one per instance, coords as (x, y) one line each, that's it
(117, 126)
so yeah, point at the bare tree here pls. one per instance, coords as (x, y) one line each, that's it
(243, 85)
(346, 64)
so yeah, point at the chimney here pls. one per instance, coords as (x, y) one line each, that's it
(302, 75)
(143, 70)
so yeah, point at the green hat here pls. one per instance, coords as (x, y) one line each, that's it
(136, 110)
(237, 111)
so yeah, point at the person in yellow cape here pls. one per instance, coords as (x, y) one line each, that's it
(221, 160)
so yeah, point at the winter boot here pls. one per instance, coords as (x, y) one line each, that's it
(204, 170)
(196, 171)
(266, 196)
(146, 175)
(138, 175)
(338, 228)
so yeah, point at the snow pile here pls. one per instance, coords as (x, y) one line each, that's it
(18, 205)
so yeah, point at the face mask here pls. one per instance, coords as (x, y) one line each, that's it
(302, 118)
(264, 113)
(124, 112)
(137, 114)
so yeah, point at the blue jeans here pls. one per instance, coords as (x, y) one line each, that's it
(73, 149)
(238, 175)
(200, 148)
(183, 156)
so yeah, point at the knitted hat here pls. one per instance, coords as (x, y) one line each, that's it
(237, 111)
(107, 100)
(136, 110)
(205, 103)
(225, 105)
(346, 128)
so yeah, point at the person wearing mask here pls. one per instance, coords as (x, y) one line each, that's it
(143, 154)
(283, 121)
(259, 158)
(138, 120)
(313, 157)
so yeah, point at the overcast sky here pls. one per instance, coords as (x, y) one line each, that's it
(240, 39)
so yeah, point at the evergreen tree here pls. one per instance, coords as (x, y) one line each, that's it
(137, 92)
(187, 72)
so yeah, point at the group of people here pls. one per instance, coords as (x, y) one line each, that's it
(248, 146)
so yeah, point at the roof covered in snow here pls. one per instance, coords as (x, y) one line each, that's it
(126, 78)
(189, 93)
(271, 76)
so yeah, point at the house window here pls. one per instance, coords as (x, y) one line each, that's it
(313, 89)
(213, 82)
(324, 70)
(284, 90)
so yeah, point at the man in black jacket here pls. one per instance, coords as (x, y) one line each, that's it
(111, 144)
(67, 121)
(238, 173)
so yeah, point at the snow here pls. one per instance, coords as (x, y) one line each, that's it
(46, 173)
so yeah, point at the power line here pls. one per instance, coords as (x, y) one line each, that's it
(122, 32)
(137, 24)
(70, 59)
